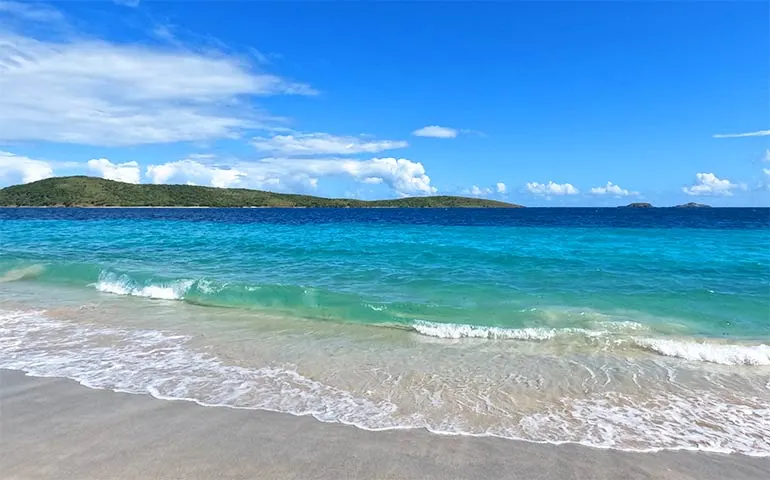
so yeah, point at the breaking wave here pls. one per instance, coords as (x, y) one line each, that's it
(618, 334)
(124, 285)
(456, 331)
(712, 352)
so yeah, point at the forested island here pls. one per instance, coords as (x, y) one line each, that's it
(82, 191)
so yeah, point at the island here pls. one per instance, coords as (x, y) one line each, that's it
(83, 191)
(637, 205)
(692, 205)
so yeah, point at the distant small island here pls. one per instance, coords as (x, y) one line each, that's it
(637, 205)
(692, 205)
(82, 191)
(649, 205)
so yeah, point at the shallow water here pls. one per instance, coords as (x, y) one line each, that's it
(638, 330)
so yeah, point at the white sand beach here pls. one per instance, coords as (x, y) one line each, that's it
(58, 429)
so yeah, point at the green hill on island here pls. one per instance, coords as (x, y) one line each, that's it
(81, 191)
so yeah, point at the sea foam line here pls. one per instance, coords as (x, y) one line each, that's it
(712, 352)
(165, 366)
(458, 330)
(692, 350)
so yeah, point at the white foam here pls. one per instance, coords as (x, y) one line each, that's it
(169, 366)
(457, 330)
(124, 285)
(722, 353)
(376, 308)
(165, 366)
(686, 421)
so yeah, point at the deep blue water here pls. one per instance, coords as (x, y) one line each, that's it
(710, 218)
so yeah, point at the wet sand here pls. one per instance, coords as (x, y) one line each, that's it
(58, 429)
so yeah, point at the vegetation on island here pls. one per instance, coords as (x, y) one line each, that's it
(649, 205)
(693, 205)
(82, 191)
(637, 205)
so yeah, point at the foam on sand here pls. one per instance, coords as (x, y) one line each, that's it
(169, 366)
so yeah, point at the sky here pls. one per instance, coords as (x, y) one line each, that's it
(541, 104)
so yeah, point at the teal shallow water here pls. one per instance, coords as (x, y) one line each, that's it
(594, 327)
(711, 283)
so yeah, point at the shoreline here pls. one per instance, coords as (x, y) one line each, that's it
(57, 428)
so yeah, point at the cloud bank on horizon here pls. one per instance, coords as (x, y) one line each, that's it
(160, 104)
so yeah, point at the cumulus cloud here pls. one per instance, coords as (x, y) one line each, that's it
(403, 176)
(479, 192)
(86, 91)
(122, 172)
(192, 172)
(322, 144)
(612, 189)
(14, 168)
(435, 131)
(551, 189)
(759, 133)
(708, 184)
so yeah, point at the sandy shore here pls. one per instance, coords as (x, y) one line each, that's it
(53, 428)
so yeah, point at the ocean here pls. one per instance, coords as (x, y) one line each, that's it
(632, 329)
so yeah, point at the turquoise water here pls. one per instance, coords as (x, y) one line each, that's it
(527, 310)
(711, 283)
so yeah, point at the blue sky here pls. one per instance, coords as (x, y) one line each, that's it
(560, 104)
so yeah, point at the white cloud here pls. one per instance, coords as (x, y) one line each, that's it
(551, 188)
(87, 91)
(612, 189)
(479, 192)
(122, 172)
(192, 172)
(401, 175)
(766, 158)
(16, 168)
(760, 133)
(436, 132)
(708, 184)
(127, 3)
(322, 144)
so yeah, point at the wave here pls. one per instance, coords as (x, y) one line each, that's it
(617, 334)
(612, 332)
(123, 285)
(169, 366)
(22, 273)
(712, 352)
(456, 331)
